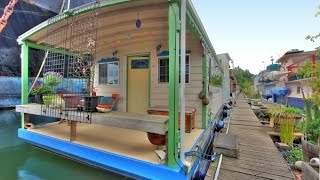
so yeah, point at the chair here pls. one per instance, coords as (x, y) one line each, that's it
(109, 102)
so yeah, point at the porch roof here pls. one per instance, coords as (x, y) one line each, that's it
(295, 56)
(117, 23)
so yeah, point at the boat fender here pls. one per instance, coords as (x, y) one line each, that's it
(315, 161)
(219, 125)
(224, 113)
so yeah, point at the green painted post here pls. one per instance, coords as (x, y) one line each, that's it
(205, 88)
(50, 49)
(24, 77)
(173, 86)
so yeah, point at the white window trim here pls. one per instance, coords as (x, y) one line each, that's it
(298, 92)
(107, 84)
(167, 57)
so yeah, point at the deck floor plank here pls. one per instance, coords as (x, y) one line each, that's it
(259, 158)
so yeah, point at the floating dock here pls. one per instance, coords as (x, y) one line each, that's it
(259, 158)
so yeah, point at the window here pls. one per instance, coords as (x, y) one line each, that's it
(163, 74)
(298, 90)
(109, 73)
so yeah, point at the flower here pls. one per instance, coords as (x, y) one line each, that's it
(52, 78)
(41, 89)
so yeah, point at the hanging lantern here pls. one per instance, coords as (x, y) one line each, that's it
(138, 22)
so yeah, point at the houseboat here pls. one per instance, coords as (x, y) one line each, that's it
(282, 80)
(297, 84)
(141, 63)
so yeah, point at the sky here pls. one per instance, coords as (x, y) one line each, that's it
(252, 31)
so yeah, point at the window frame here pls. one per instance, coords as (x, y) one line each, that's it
(118, 74)
(298, 90)
(167, 57)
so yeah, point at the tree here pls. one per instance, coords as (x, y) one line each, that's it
(245, 80)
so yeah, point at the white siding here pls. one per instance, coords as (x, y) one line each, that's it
(293, 86)
(159, 95)
(159, 92)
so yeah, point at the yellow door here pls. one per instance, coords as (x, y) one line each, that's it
(138, 84)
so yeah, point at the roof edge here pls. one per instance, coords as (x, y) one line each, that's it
(191, 9)
(198, 22)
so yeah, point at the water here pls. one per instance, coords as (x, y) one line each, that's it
(22, 161)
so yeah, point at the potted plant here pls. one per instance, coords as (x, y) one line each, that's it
(215, 83)
(311, 126)
(285, 118)
(39, 90)
(51, 79)
(311, 129)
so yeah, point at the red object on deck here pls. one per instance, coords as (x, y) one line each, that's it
(202, 48)
(313, 58)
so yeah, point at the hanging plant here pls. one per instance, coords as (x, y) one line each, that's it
(52, 78)
(216, 80)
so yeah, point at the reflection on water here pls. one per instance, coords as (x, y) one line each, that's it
(21, 161)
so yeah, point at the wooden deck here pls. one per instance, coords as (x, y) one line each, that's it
(125, 142)
(259, 157)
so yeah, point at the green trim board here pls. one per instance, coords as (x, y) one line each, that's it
(47, 48)
(172, 143)
(24, 77)
(191, 12)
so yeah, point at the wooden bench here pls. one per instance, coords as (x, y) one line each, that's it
(190, 115)
(147, 123)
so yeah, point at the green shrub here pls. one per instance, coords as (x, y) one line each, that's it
(41, 89)
(294, 155)
(52, 79)
(216, 80)
(311, 128)
(285, 116)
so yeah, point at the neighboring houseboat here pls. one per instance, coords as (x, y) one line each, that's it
(295, 82)
(283, 80)
(127, 55)
(266, 79)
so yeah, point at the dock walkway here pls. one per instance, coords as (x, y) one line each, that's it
(259, 158)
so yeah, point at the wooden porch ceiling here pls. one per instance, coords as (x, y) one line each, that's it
(116, 26)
